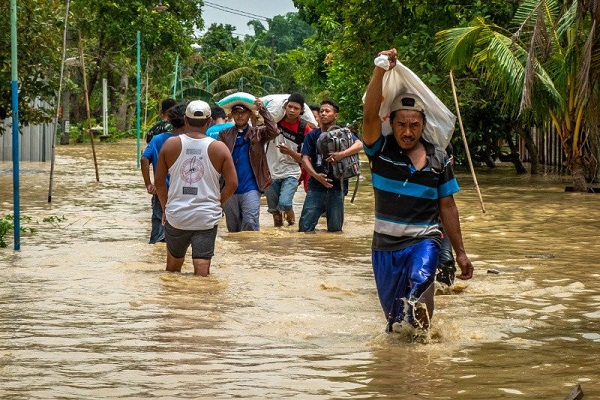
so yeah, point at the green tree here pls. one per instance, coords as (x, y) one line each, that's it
(349, 35)
(214, 72)
(217, 39)
(545, 69)
(260, 64)
(287, 32)
(109, 33)
(39, 36)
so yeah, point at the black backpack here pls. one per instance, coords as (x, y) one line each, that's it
(337, 139)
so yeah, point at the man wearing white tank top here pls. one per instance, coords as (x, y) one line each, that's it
(192, 205)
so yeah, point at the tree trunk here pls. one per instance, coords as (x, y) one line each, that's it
(488, 159)
(578, 175)
(122, 123)
(534, 155)
(515, 157)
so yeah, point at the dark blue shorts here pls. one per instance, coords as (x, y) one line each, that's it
(402, 276)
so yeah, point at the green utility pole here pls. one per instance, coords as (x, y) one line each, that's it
(139, 95)
(175, 78)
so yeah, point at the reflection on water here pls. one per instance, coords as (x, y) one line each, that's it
(86, 310)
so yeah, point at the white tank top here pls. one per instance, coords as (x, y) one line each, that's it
(194, 201)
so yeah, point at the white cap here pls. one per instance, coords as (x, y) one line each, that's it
(197, 109)
(407, 101)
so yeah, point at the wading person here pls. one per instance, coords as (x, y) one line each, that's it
(414, 185)
(446, 270)
(175, 116)
(163, 124)
(284, 159)
(247, 146)
(192, 204)
(219, 122)
(324, 194)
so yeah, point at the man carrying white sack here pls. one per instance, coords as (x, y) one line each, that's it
(247, 146)
(414, 185)
(284, 159)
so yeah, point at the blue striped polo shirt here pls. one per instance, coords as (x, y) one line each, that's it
(406, 199)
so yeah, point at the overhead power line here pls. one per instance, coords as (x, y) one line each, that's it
(235, 11)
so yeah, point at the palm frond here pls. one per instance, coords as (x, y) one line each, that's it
(457, 45)
(595, 59)
(584, 83)
(539, 43)
(503, 63)
(523, 17)
(194, 93)
(567, 20)
(230, 79)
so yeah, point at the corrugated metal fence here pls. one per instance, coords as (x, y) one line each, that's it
(35, 142)
(549, 146)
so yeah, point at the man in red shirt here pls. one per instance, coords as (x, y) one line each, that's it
(284, 160)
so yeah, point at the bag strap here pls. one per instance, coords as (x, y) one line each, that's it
(301, 127)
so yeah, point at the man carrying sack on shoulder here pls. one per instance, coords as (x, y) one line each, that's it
(414, 185)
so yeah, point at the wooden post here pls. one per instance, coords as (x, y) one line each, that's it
(462, 131)
(87, 105)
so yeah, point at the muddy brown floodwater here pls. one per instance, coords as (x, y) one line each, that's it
(87, 311)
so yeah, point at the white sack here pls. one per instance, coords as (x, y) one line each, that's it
(228, 102)
(275, 103)
(440, 120)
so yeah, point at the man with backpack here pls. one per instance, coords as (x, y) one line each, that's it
(325, 190)
(163, 125)
(284, 160)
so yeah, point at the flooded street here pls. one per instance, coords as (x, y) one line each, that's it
(87, 311)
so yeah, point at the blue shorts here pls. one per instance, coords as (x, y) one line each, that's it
(403, 276)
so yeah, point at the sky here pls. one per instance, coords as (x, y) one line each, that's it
(228, 12)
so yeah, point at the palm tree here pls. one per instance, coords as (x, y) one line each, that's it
(252, 76)
(545, 69)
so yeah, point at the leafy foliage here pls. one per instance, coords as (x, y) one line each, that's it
(350, 34)
(544, 68)
(38, 34)
(7, 225)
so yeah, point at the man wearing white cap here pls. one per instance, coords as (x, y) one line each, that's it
(193, 204)
(414, 185)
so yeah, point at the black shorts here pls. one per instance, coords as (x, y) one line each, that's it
(203, 242)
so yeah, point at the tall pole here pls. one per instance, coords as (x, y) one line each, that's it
(139, 95)
(464, 136)
(146, 91)
(104, 106)
(87, 105)
(175, 78)
(60, 82)
(15, 125)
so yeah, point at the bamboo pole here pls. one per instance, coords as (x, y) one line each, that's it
(462, 131)
(87, 106)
